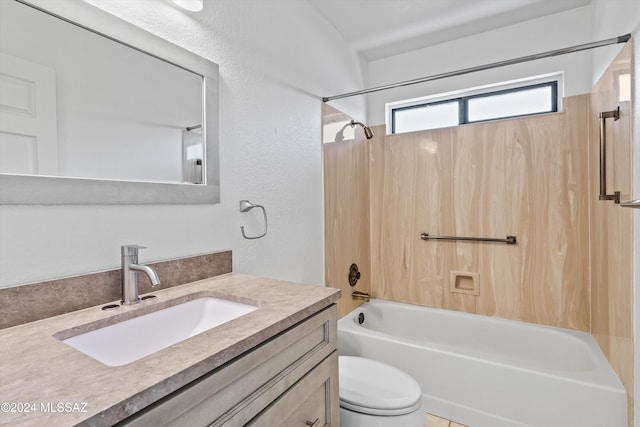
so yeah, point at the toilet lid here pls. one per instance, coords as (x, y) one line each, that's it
(370, 386)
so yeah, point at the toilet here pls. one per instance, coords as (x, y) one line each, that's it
(374, 394)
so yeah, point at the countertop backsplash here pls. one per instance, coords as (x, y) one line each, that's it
(28, 303)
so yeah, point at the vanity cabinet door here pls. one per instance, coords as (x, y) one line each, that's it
(236, 393)
(311, 402)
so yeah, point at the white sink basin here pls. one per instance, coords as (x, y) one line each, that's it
(133, 339)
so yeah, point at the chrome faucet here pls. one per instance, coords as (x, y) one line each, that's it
(130, 269)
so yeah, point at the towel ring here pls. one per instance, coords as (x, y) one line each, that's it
(246, 206)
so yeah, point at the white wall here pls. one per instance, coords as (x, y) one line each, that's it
(612, 18)
(539, 35)
(277, 59)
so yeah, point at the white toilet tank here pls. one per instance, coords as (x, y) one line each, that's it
(376, 394)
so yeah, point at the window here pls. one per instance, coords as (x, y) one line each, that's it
(474, 106)
(426, 116)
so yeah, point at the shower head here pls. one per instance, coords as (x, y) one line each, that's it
(368, 133)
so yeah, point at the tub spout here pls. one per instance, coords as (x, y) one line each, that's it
(361, 296)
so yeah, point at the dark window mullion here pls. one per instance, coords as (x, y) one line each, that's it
(393, 121)
(464, 110)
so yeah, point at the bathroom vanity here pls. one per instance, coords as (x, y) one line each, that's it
(276, 365)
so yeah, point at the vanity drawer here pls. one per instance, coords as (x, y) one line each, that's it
(313, 401)
(235, 393)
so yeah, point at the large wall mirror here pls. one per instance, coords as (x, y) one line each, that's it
(95, 110)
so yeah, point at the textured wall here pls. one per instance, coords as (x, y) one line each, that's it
(526, 38)
(524, 177)
(273, 60)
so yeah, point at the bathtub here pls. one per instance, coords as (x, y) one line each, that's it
(486, 372)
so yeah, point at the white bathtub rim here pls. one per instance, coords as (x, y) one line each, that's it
(598, 377)
(573, 333)
(602, 376)
(501, 408)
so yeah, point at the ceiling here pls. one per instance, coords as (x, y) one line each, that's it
(381, 28)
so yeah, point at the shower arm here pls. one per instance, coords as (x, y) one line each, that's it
(368, 133)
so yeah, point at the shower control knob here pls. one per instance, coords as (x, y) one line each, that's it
(354, 274)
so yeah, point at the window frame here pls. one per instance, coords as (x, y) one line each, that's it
(462, 97)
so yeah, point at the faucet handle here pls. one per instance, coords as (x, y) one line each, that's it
(131, 250)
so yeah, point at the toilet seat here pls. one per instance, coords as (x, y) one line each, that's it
(371, 387)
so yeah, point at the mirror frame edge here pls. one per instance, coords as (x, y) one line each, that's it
(52, 190)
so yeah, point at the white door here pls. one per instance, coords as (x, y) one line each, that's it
(28, 119)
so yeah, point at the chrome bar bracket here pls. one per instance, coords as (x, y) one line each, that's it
(631, 204)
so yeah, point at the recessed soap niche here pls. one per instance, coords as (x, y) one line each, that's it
(464, 282)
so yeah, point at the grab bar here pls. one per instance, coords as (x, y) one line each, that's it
(510, 240)
(246, 206)
(615, 114)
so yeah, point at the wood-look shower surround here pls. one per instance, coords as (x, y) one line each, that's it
(523, 177)
(535, 178)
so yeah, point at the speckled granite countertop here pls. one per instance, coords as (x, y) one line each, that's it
(45, 382)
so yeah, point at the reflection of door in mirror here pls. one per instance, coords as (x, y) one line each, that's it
(118, 113)
(28, 127)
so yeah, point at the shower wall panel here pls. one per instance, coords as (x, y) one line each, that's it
(611, 225)
(346, 205)
(525, 177)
